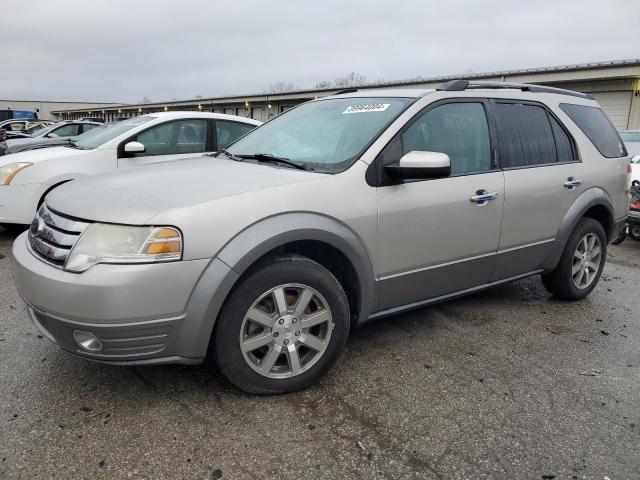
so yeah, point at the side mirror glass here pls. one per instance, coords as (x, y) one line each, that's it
(421, 165)
(134, 147)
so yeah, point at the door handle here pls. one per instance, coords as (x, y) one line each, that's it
(481, 197)
(572, 183)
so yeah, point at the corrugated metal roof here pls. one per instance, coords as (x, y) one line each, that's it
(413, 81)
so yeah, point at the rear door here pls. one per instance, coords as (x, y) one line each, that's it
(543, 177)
(168, 141)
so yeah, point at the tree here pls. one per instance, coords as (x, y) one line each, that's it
(145, 99)
(351, 80)
(198, 97)
(282, 86)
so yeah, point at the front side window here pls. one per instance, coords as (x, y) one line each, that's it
(525, 135)
(99, 136)
(326, 135)
(458, 129)
(229, 132)
(597, 127)
(173, 138)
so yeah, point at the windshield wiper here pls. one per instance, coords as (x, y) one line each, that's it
(226, 152)
(268, 158)
(72, 144)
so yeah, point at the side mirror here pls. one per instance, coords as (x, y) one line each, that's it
(635, 159)
(421, 165)
(134, 147)
(52, 135)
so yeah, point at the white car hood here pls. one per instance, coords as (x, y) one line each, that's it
(40, 155)
(135, 195)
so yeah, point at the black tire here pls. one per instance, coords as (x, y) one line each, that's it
(560, 282)
(622, 234)
(289, 269)
(634, 231)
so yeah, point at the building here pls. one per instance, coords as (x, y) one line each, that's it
(615, 84)
(44, 108)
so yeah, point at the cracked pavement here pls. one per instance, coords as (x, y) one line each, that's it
(504, 384)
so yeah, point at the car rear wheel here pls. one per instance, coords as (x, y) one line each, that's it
(282, 327)
(581, 263)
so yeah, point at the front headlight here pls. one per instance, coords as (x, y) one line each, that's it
(103, 243)
(7, 172)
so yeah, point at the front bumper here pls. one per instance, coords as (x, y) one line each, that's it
(139, 312)
(18, 203)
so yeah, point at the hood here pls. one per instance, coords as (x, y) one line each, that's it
(20, 145)
(134, 195)
(39, 155)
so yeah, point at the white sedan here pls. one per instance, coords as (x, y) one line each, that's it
(26, 177)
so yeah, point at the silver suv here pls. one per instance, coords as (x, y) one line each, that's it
(342, 210)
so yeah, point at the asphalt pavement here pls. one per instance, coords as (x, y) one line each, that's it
(505, 384)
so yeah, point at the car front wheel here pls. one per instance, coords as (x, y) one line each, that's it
(282, 327)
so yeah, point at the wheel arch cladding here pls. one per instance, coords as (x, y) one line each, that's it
(593, 203)
(320, 238)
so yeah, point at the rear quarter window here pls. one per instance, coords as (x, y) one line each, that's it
(598, 129)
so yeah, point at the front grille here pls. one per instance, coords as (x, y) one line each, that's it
(52, 236)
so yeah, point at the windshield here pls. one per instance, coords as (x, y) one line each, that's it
(326, 135)
(101, 135)
(630, 136)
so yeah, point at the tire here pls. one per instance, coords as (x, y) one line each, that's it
(561, 281)
(288, 355)
(620, 236)
(634, 231)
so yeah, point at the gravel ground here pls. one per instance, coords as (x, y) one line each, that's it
(505, 384)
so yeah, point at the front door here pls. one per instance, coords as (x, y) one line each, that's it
(438, 236)
(169, 141)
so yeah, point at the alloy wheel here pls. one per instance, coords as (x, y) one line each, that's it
(286, 331)
(586, 260)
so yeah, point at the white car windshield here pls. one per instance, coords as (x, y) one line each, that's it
(326, 135)
(103, 134)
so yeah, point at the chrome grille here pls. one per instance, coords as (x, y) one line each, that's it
(52, 236)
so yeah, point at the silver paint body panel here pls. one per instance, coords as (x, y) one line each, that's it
(410, 244)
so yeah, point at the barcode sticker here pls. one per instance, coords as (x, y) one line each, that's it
(374, 107)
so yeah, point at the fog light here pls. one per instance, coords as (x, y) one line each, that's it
(87, 341)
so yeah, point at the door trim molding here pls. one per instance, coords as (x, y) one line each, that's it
(448, 296)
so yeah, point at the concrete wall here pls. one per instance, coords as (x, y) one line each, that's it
(45, 108)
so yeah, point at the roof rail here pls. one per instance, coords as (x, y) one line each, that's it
(346, 90)
(462, 85)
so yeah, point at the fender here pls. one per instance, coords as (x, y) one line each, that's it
(255, 241)
(591, 197)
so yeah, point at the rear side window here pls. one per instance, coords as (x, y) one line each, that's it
(229, 132)
(526, 135)
(597, 127)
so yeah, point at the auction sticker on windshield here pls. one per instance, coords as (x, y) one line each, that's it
(374, 107)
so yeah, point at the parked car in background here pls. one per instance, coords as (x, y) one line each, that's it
(631, 139)
(93, 119)
(26, 177)
(22, 125)
(344, 209)
(29, 131)
(56, 134)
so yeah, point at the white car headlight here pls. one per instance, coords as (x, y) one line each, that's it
(104, 243)
(7, 172)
